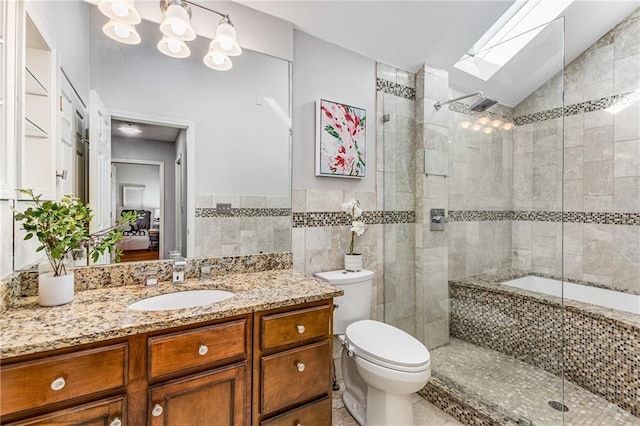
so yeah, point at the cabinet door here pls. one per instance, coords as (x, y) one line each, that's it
(217, 397)
(107, 412)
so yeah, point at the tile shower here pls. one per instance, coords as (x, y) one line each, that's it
(558, 195)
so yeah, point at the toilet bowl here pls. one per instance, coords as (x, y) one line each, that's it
(391, 364)
(381, 365)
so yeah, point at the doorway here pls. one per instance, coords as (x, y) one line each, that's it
(144, 178)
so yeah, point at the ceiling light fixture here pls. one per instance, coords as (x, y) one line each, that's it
(122, 32)
(177, 20)
(226, 39)
(217, 60)
(176, 29)
(174, 48)
(129, 129)
(120, 10)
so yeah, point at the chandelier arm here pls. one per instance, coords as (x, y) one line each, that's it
(223, 15)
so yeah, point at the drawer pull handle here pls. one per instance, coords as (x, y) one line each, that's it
(301, 329)
(58, 384)
(203, 349)
(116, 422)
(300, 367)
(157, 410)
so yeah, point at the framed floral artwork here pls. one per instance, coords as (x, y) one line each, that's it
(341, 140)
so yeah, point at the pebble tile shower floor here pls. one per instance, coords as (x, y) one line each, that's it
(519, 389)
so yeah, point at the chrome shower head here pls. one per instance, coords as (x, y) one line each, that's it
(479, 106)
(483, 104)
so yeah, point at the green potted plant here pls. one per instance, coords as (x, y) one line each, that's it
(62, 227)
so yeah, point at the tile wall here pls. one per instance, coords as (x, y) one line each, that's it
(321, 235)
(432, 159)
(481, 177)
(601, 158)
(396, 141)
(256, 224)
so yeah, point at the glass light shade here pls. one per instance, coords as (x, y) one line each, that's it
(120, 10)
(176, 24)
(465, 124)
(508, 125)
(476, 127)
(119, 31)
(217, 60)
(487, 130)
(226, 40)
(173, 48)
(483, 120)
(496, 123)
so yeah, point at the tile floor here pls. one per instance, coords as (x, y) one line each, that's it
(424, 413)
(518, 389)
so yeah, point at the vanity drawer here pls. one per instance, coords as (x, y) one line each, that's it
(295, 326)
(180, 351)
(295, 376)
(316, 413)
(42, 382)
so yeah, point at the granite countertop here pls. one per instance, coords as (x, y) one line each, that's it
(102, 314)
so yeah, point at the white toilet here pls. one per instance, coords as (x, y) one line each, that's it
(381, 365)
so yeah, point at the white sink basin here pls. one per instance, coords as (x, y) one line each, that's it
(181, 300)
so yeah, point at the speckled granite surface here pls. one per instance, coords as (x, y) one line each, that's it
(102, 314)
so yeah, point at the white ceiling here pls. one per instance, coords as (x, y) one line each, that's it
(408, 34)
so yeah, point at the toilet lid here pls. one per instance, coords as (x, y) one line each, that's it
(382, 343)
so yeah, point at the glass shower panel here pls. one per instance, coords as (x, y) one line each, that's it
(504, 183)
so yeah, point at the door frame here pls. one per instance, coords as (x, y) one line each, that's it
(190, 127)
(160, 165)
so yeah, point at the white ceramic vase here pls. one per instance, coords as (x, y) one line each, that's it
(353, 262)
(54, 291)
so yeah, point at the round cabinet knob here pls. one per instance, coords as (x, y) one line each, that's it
(202, 350)
(157, 410)
(58, 384)
(298, 424)
(301, 329)
(116, 422)
(300, 366)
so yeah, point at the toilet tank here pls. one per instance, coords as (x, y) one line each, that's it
(355, 305)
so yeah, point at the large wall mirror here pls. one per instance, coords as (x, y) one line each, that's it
(209, 151)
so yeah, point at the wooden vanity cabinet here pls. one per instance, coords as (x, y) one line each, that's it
(267, 368)
(292, 365)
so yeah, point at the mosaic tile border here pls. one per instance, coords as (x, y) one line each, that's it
(464, 109)
(321, 219)
(578, 108)
(243, 212)
(608, 218)
(393, 88)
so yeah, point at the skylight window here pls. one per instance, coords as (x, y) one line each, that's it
(520, 24)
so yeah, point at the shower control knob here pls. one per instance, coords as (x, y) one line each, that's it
(301, 329)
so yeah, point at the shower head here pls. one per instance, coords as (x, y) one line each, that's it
(479, 106)
(483, 104)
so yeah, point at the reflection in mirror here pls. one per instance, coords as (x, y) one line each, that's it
(232, 147)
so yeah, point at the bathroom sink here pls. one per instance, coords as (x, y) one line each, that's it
(181, 300)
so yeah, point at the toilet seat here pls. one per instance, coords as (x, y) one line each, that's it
(387, 346)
